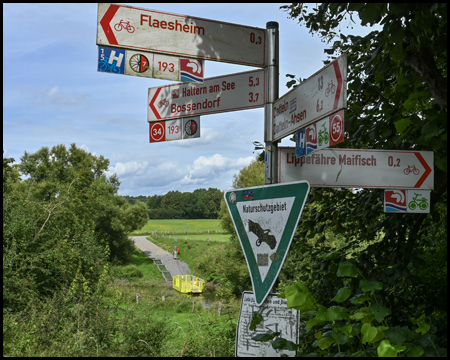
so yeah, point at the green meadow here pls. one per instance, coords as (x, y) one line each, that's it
(181, 226)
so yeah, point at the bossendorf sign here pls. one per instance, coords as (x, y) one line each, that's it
(218, 94)
(265, 219)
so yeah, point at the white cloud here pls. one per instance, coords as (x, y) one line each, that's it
(206, 168)
(131, 168)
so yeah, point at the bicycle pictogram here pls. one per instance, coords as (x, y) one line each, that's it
(163, 102)
(139, 63)
(330, 88)
(411, 169)
(421, 202)
(105, 66)
(124, 25)
(323, 135)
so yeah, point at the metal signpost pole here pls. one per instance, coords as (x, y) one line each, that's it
(272, 69)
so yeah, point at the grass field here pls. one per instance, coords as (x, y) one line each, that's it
(181, 226)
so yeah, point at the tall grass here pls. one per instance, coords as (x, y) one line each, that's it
(118, 322)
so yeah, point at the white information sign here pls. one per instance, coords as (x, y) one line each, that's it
(218, 94)
(320, 95)
(133, 28)
(277, 317)
(369, 168)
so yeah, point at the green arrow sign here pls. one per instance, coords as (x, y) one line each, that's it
(265, 219)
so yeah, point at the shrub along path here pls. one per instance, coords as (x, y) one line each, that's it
(174, 266)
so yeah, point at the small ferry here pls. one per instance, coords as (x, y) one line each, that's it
(188, 284)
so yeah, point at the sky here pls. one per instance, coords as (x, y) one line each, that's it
(53, 94)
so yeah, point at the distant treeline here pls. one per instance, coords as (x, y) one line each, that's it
(200, 204)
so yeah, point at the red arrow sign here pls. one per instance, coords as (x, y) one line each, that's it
(105, 23)
(152, 104)
(426, 172)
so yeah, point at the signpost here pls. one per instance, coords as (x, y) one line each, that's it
(322, 134)
(178, 129)
(149, 65)
(320, 95)
(277, 317)
(133, 28)
(395, 169)
(265, 219)
(218, 94)
(407, 201)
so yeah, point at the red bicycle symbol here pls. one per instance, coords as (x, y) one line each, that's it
(411, 168)
(163, 102)
(331, 87)
(124, 25)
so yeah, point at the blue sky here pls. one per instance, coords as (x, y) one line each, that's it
(53, 94)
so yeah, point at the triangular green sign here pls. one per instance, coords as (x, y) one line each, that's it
(265, 219)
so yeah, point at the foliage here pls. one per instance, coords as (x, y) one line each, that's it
(397, 85)
(58, 222)
(200, 204)
(355, 323)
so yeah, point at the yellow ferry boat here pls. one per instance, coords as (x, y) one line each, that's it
(188, 284)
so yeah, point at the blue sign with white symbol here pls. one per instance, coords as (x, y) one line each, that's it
(300, 142)
(111, 60)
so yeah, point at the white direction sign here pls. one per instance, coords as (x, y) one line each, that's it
(135, 28)
(265, 219)
(218, 94)
(277, 317)
(370, 168)
(320, 95)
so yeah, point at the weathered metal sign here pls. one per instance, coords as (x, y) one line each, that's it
(178, 129)
(150, 65)
(406, 201)
(320, 95)
(185, 36)
(369, 168)
(320, 135)
(218, 94)
(277, 317)
(265, 219)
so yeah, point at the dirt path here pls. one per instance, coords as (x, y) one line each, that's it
(175, 267)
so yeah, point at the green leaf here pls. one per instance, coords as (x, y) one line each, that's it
(325, 343)
(256, 320)
(283, 344)
(402, 124)
(416, 351)
(369, 332)
(359, 299)
(265, 337)
(379, 311)
(298, 297)
(385, 349)
(347, 269)
(342, 294)
(312, 322)
(335, 313)
(396, 335)
(398, 53)
(367, 286)
(423, 328)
